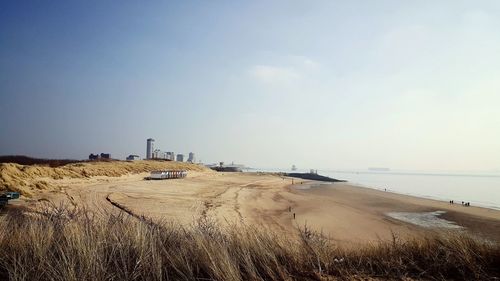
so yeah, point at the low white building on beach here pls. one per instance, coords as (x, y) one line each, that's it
(163, 175)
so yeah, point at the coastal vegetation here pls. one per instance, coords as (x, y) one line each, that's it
(57, 242)
(26, 160)
(36, 176)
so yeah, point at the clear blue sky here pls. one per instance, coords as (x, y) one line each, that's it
(320, 84)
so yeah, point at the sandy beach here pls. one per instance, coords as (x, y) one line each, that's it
(348, 214)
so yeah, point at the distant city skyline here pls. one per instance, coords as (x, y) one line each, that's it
(411, 85)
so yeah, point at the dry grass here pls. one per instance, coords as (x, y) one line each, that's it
(60, 243)
(29, 179)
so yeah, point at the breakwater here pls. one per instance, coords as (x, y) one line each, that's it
(311, 176)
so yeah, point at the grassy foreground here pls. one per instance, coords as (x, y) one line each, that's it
(60, 243)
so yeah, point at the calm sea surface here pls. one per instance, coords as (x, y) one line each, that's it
(478, 189)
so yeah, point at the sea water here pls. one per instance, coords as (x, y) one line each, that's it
(480, 189)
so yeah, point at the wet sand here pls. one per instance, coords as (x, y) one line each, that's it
(357, 214)
(348, 214)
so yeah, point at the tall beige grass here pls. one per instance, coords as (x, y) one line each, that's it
(29, 179)
(59, 243)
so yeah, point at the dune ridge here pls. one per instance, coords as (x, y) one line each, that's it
(27, 179)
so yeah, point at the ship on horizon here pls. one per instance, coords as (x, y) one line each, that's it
(379, 169)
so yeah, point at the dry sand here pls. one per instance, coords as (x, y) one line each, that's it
(348, 214)
(356, 214)
(33, 179)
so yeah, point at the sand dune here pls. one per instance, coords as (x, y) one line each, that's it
(30, 179)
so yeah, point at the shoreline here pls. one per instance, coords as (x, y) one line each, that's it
(413, 196)
(430, 197)
(378, 205)
(408, 188)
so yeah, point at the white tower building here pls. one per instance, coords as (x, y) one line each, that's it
(149, 148)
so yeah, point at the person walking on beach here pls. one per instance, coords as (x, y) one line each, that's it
(293, 215)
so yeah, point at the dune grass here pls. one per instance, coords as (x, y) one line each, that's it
(60, 243)
(30, 179)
